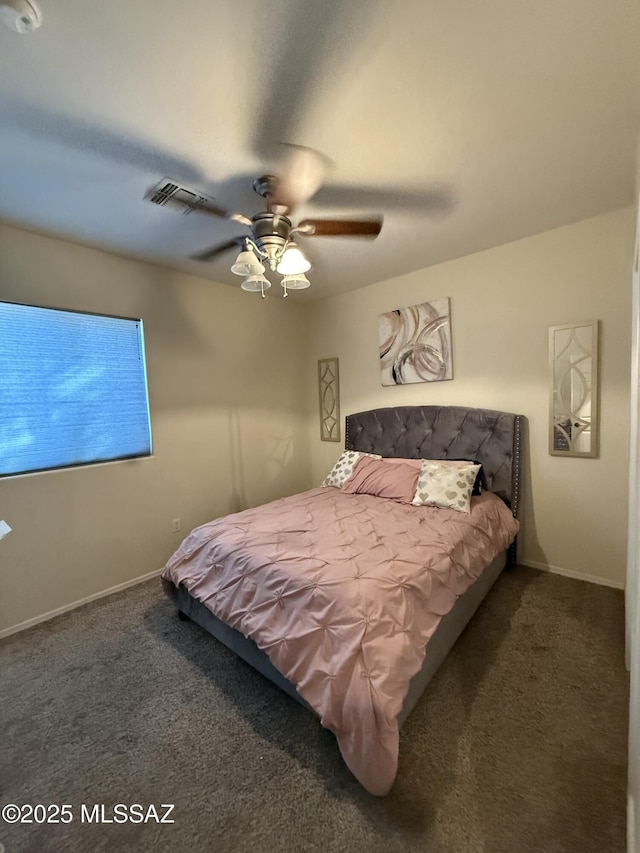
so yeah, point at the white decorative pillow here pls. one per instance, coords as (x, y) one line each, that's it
(445, 485)
(343, 468)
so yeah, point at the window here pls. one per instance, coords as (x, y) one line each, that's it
(73, 389)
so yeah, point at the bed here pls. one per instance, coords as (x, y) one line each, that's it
(350, 602)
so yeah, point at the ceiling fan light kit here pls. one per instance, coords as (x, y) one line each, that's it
(283, 256)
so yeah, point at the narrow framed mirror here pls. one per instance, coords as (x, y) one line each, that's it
(329, 393)
(573, 377)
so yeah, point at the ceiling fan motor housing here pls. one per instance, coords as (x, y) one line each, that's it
(271, 232)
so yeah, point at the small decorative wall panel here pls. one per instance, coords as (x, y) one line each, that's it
(415, 343)
(329, 392)
(573, 380)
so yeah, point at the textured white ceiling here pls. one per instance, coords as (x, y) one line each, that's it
(465, 124)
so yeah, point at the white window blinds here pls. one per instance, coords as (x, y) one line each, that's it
(73, 389)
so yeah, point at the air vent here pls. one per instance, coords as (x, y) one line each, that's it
(170, 194)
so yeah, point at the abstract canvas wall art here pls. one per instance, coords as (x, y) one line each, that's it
(415, 343)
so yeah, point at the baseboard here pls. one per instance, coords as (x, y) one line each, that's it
(22, 626)
(568, 573)
(44, 617)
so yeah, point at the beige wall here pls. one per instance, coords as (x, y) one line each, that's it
(633, 564)
(231, 392)
(502, 303)
(226, 389)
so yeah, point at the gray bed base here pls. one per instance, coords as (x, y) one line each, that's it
(449, 629)
(409, 432)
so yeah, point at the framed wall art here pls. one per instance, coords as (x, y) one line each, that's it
(573, 389)
(329, 398)
(415, 343)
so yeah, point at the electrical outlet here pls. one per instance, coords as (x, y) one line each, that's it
(176, 525)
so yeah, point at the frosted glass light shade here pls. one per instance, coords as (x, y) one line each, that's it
(293, 261)
(295, 282)
(256, 284)
(247, 264)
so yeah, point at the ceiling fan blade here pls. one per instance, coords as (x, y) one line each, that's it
(80, 136)
(318, 41)
(213, 210)
(340, 228)
(300, 176)
(175, 196)
(432, 198)
(210, 254)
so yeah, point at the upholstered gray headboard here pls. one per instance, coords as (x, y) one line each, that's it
(445, 432)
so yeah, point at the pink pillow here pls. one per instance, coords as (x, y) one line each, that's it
(414, 463)
(375, 477)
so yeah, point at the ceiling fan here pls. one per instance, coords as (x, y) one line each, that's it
(270, 239)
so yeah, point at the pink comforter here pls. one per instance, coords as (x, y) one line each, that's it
(343, 593)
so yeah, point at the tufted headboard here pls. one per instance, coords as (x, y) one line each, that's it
(445, 432)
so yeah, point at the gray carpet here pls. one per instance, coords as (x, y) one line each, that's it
(519, 743)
